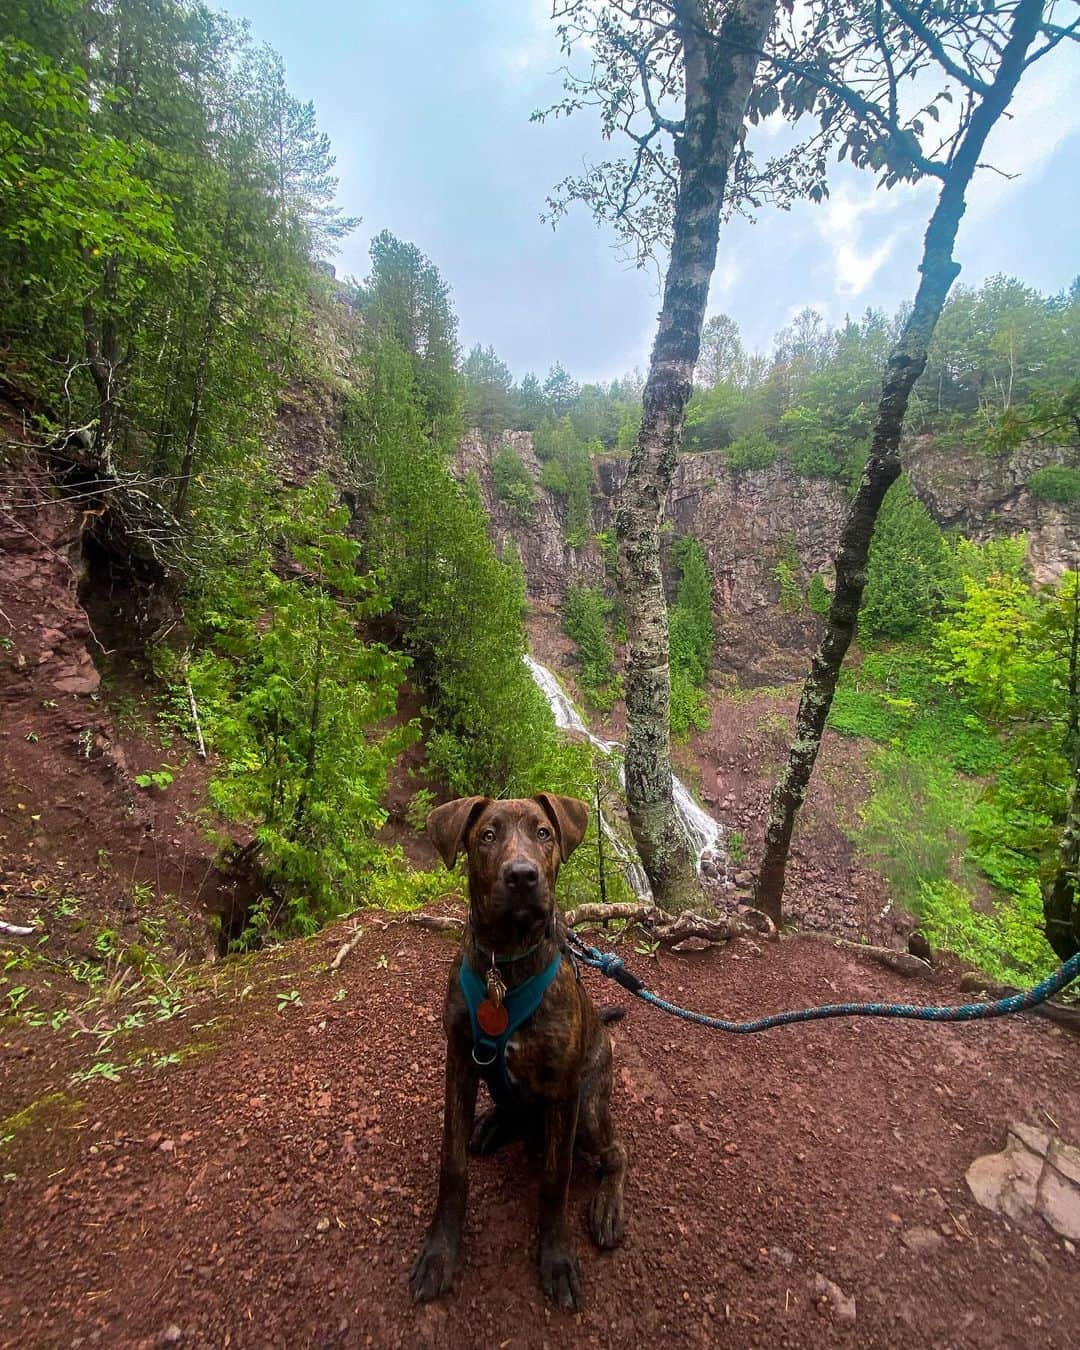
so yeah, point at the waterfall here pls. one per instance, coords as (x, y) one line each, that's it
(704, 835)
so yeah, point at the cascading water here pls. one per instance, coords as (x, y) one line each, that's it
(704, 835)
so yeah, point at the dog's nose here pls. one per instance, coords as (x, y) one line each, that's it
(521, 874)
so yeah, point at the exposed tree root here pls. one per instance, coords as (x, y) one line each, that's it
(902, 962)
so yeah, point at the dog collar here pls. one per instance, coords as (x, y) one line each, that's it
(489, 1051)
(495, 959)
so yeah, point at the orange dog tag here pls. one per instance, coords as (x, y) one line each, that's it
(493, 1020)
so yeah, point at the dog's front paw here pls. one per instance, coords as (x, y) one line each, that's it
(560, 1277)
(433, 1270)
(606, 1223)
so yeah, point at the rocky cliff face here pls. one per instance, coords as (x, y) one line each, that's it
(748, 521)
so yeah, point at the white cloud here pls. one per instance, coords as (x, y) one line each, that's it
(1045, 112)
(855, 270)
(840, 223)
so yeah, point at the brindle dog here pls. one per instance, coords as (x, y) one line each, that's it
(559, 1060)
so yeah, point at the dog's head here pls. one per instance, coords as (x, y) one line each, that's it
(514, 849)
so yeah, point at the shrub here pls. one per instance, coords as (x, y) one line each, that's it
(295, 703)
(691, 637)
(818, 595)
(513, 484)
(752, 451)
(908, 569)
(1056, 483)
(1007, 943)
(585, 620)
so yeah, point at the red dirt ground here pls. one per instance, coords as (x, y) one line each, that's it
(272, 1190)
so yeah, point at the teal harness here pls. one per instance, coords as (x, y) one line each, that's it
(489, 1052)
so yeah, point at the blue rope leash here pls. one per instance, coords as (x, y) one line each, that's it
(607, 963)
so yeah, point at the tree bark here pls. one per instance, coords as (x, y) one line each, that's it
(1061, 895)
(719, 74)
(939, 270)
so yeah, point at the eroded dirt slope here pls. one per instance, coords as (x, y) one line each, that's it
(272, 1189)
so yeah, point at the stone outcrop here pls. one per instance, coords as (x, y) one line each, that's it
(749, 520)
(1036, 1175)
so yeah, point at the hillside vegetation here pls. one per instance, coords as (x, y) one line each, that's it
(165, 204)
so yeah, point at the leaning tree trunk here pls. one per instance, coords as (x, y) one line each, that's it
(1061, 895)
(906, 363)
(719, 75)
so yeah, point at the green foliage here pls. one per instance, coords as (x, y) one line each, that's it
(295, 702)
(971, 790)
(420, 806)
(752, 451)
(155, 778)
(786, 575)
(909, 568)
(984, 647)
(585, 621)
(691, 637)
(894, 698)
(1002, 351)
(914, 827)
(487, 390)
(513, 484)
(1056, 483)
(566, 461)
(818, 595)
(609, 552)
(1007, 942)
(409, 302)
(459, 608)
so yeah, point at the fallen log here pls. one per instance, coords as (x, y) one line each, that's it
(635, 913)
(437, 923)
(901, 962)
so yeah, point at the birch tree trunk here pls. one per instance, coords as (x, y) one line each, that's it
(939, 270)
(719, 73)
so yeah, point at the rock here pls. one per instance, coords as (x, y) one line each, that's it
(920, 1239)
(1065, 1159)
(783, 1255)
(323, 1225)
(1058, 1202)
(692, 944)
(843, 1305)
(172, 1335)
(684, 1132)
(1037, 1174)
(1037, 1141)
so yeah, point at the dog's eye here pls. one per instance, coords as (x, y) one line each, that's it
(543, 832)
(488, 836)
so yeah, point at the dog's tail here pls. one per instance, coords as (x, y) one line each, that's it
(612, 1014)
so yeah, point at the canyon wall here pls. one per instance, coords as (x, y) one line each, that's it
(749, 520)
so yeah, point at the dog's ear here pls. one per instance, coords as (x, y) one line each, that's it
(569, 816)
(448, 824)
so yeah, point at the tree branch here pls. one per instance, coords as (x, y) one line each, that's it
(934, 45)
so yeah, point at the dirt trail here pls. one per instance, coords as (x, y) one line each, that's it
(272, 1189)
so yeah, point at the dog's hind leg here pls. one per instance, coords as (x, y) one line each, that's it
(495, 1129)
(597, 1137)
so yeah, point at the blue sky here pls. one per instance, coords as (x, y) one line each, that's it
(427, 104)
